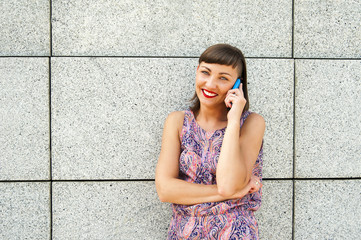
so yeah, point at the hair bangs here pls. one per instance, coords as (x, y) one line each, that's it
(223, 54)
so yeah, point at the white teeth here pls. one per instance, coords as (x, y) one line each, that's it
(209, 94)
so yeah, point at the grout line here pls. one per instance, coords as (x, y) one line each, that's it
(50, 117)
(51, 27)
(186, 57)
(293, 209)
(50, 155)
(51, 210)
(78, 180)
(325, 179)
(294, 150)
(42, 56)
(294, 122)
(330, 59)
(104, 180)
(293, 30)
(156, 57)
(152, 180)
(50, 123)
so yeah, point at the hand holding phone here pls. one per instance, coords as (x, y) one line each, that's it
(236, 84)
(235, 95)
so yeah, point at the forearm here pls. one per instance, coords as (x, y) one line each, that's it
(181, 192)
(232, 174)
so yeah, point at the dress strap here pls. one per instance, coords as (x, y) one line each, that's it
(188, 116)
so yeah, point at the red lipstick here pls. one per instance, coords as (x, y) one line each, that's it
(209, 94)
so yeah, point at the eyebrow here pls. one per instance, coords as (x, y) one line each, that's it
(222, 73)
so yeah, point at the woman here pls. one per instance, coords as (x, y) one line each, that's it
(210, 164)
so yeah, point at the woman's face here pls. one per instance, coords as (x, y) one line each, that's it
(213, 82)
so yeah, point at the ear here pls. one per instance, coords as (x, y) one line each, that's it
(197, 67)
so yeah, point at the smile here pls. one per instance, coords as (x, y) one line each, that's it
(209, 94)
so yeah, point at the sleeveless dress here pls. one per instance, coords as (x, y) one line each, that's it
(230, 219)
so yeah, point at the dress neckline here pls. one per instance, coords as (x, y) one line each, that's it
(207, 133)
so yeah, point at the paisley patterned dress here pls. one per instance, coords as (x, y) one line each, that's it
(231, 219)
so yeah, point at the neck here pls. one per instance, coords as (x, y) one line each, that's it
(212, 115)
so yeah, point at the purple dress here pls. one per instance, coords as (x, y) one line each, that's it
(231, 219)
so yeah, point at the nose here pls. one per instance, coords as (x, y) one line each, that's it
(211, 83)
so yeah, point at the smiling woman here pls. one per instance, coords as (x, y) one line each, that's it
(210, 164)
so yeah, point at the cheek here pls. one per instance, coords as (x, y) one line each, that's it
(199, 81)
(225, 86)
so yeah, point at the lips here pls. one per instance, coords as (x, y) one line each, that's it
(209, 94)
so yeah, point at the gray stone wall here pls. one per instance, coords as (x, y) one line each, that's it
(86, 85)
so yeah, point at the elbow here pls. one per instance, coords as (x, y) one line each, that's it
(226, 192)
(230, 190)
(162, 198)
(161, 192)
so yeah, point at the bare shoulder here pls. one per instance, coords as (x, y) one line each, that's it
(175, 120)
(176, 117)
(255, 122)
(256, 119)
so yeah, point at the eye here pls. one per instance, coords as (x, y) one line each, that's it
(224, 78)
(205, 72)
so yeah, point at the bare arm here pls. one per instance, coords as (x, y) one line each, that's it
(240, 148)
(172, 189)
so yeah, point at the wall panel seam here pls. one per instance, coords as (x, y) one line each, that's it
(50, 154)
(152, 180)
(185, 57)
(294, 146)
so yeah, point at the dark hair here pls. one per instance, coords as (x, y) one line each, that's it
(224, 54)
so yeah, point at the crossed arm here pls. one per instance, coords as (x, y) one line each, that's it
(234, 178)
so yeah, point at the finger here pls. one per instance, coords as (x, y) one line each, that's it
(236, 92)
(227, 102)
(239, 91)
(230, 100)
(229, 93)
(233, 91)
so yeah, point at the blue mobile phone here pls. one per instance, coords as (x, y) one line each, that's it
(237, 83)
